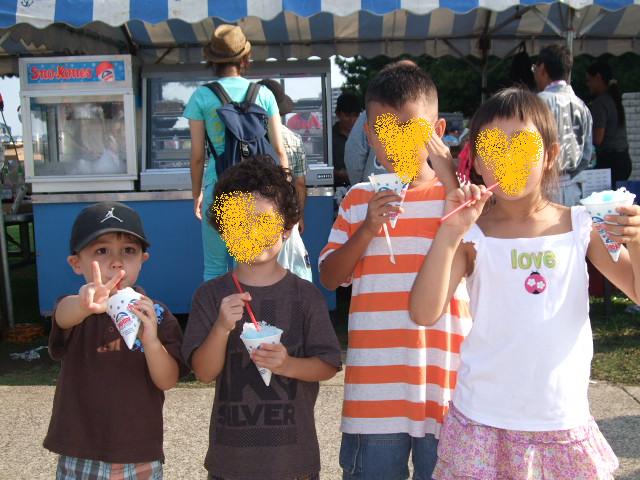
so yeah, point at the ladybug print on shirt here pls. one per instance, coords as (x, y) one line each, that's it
(535, 283)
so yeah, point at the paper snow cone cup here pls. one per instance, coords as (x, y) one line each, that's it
(252, 339)
(126, 321)
(601, 204)
(390, 181)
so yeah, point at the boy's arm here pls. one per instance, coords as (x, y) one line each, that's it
(163, 367)
(442, 163)
(340, 264)
(70, 312)
(208, 359)
(92, 298)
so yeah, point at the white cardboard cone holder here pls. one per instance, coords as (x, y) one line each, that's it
(252, 343)
(125, 320)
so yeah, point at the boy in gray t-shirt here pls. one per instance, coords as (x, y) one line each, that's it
(260, 431)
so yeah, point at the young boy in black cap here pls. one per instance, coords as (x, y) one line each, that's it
(107, 410)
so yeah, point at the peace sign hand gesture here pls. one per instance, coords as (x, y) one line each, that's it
(94, 295)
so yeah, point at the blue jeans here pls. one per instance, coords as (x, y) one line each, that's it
(217, 260)
(386, 456)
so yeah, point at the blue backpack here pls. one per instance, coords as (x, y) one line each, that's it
(245, 128)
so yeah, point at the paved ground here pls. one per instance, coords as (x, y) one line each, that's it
(24, 416)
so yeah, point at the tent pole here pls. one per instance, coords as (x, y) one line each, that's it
(570, 34)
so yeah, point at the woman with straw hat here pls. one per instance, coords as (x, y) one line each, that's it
(228, 53)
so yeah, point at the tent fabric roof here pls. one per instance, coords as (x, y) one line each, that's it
(173, 31)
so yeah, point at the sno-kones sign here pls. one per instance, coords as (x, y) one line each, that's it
(106, 71)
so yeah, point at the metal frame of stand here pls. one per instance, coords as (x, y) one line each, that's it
(7, 303)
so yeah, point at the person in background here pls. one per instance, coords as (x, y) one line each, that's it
(304, 122)
(348, 108)
(292, 143)
(359, 158)
(229, 52)
(609, 128)
(573, 119)
(521, 74)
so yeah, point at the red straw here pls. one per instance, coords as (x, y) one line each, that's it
(247, 304)
(468, 202)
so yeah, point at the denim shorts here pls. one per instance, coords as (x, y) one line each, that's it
(386, 456)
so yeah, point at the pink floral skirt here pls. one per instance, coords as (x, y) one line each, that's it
(470, 450)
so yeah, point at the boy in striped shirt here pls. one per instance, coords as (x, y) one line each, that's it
(399, 376)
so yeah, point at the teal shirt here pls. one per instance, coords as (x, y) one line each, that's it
(203, 105)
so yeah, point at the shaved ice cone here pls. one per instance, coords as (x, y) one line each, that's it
(601, 204)
(390, 181)
(253, 338)
(125, 320)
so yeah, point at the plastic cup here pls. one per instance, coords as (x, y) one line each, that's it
(390, 181)
(252, 339)
(601, 204)
(126, 321)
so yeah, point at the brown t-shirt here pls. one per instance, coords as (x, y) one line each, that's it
(258, 431)
(106, 407)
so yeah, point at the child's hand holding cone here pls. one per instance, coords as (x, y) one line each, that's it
(271, 356)
(625, 227)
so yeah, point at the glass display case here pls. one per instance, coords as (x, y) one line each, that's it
(166, 138)
(78, 119)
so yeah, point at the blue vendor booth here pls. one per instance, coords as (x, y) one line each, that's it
(104, 84)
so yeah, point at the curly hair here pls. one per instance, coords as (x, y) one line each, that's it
(260, 174)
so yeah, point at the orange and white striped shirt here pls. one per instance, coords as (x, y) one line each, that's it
(399, 376)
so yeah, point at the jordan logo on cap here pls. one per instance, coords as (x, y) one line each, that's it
(110, 215)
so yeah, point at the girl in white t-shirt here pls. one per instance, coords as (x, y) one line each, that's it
(520, 407)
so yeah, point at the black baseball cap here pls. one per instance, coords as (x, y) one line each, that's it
(105, 217)
(285, 104)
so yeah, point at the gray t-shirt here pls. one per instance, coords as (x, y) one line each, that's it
(258, 431)
(605, 115)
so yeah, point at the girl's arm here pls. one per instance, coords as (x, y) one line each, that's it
(625, 273)
(443, 268)
(447, 261)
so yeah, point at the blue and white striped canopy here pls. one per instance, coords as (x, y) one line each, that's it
(173, 31)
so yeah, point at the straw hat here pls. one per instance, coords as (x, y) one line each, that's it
(228, 44)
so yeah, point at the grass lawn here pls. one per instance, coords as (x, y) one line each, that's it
(616, 339)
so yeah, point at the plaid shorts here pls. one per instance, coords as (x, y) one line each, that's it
(72, 468)
(315, 476)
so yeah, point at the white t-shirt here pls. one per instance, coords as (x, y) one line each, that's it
(526, 362)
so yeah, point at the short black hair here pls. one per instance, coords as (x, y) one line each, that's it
(399, 83)
(260, 174)
(348, 102)
(557, 61)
